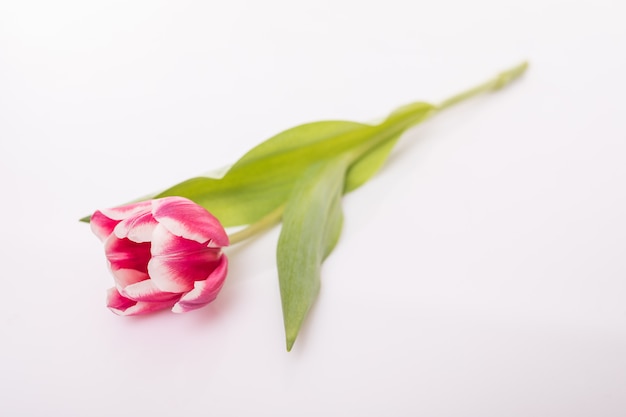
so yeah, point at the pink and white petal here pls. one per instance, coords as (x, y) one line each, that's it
(101, 225)
(184, 218)
(126, 254)
(125, 277)
(137, 228)
(203, 291)
(128, 210)
(177, 262)
(123, 306)
(147, 291)
(117, 302)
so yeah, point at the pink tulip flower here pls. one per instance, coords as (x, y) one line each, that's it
(163, 253)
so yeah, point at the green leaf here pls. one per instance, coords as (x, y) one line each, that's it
(365, 167)
(263, 178)
(311, 228)
(299, 137)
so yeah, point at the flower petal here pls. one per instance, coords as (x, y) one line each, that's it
(126, 254)
(125, 277)
(177, 262)
(203, 291)
(101, 225)
(117, 301)
(147, 291)
(123, 306)
(128, 210)
(137, 228)
(184, 218)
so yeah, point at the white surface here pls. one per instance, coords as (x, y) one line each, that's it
(481, 273)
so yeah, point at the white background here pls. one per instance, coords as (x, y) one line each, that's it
(482, 272)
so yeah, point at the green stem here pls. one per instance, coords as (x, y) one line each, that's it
(412, 114)
(496, 83)
(266, 222)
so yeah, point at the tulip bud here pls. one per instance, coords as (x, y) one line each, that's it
(163, 253)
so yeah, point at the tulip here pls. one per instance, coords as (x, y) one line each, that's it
(163, 253)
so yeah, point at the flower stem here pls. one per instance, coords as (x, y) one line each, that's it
(412, 114)
(496, 83)
(266, 222)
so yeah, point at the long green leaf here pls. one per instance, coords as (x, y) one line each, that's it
(311, 228)
(263, 178)
(365, 167)
(299, 137)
